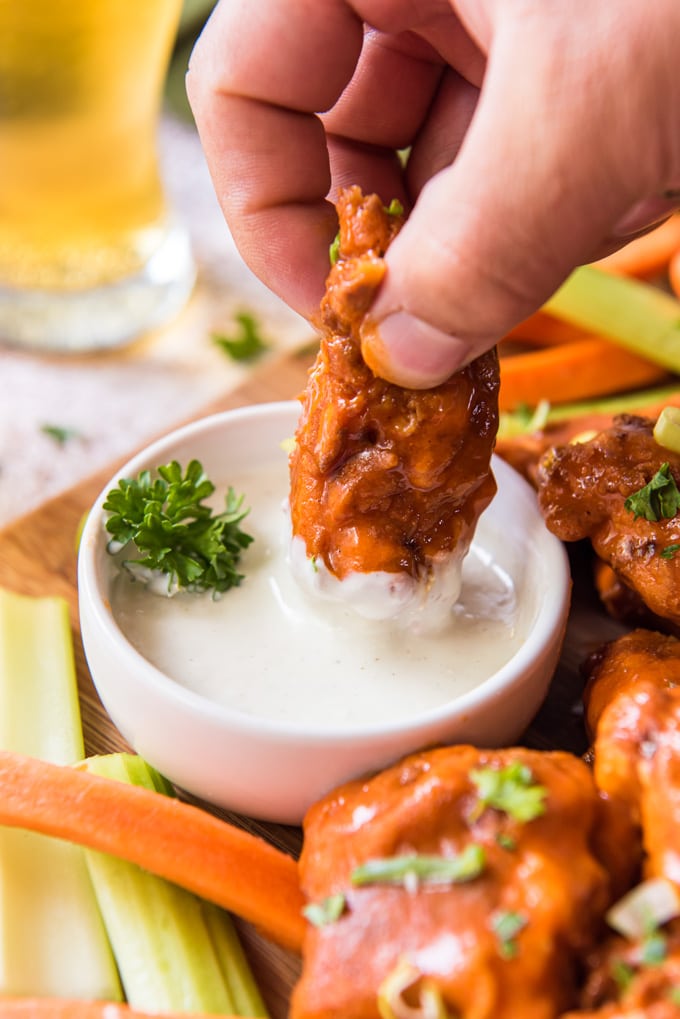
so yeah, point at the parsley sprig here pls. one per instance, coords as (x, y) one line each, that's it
(657, 500)
(246, 343)
(166, 522)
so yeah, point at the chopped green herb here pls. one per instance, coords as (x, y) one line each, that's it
(395, 208)
(59, 433)
(511, 789)
(506, 842)
(524, 419)
(654, 948)
(674, 995)
(413, 868)
(658, 500)
(669, 551)
(506, 926)
(328, 911)
(334, 249)
(247, 344)
(166, 521)
(622, 974)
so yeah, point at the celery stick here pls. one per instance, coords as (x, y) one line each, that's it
(521, 422)
(235, 967)
(174, 952)
(52, 940)
(634, 314)
(626, 403)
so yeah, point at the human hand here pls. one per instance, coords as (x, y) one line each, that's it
(542, 135)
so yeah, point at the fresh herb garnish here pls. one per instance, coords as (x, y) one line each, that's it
(622, 974)
(506, 926)
(669, 551)
(658, 500)
(59, 433)
(327, 911)
(511, 789)
(167, 523)
(412, 868)
(506, 842)
(395, 208)
(334, 249)
(247, 344)
(654, 948)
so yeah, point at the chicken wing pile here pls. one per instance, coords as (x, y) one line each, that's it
(386, 482)
(620, 490)
(483, 884)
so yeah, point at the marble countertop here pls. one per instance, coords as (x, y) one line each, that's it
(108, 404)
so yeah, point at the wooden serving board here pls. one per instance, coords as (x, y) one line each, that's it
(38, 557)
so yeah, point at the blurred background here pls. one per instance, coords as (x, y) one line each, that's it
(63, 416)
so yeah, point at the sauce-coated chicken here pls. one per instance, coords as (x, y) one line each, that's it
(615, 669)
(632, 702)
(643, 991)
(502, 943)
(385, 479)
(599, 490)
(633, 707)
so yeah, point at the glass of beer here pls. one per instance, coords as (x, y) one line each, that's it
(90, 255)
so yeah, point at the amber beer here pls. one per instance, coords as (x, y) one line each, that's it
(81, 201)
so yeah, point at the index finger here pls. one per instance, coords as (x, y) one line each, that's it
(260, 73)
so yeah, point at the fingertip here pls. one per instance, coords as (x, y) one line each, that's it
(411, 353)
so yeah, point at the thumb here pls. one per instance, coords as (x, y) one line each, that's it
(534, 189)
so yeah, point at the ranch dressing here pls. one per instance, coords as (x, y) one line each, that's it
(268, 649)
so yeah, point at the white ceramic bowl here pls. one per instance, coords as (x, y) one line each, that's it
(275, 769)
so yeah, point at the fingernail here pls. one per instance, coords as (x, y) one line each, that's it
(645, 214)
(411, 353)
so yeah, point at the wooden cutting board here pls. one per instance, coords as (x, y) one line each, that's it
(38, 557)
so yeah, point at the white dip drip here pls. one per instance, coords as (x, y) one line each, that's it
(268, 649)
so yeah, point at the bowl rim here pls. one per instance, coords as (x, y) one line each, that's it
(547, 627)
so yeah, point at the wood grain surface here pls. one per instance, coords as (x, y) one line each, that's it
(38, 557)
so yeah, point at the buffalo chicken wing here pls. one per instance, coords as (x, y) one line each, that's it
(620, 490)
(459, 875)
(387, 483)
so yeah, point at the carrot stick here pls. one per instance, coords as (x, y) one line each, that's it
(646, 256)
(573, 371)
(546, 330)
(175, 840)
(674, 272)
(75, 1008)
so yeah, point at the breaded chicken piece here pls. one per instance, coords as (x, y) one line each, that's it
(620, 490)
(386, 482)
(633, 707)
(499, 943)
(642, 990)
(624, 604)
(616, 668)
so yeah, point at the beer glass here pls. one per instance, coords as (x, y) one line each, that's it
(90, 256)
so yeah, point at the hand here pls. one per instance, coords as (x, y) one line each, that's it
(542, 135)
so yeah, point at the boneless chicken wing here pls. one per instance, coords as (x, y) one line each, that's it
(387, 484)
(641, 991)
(633, 708)
(620, 490)
(461, 878)
(632, 701)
